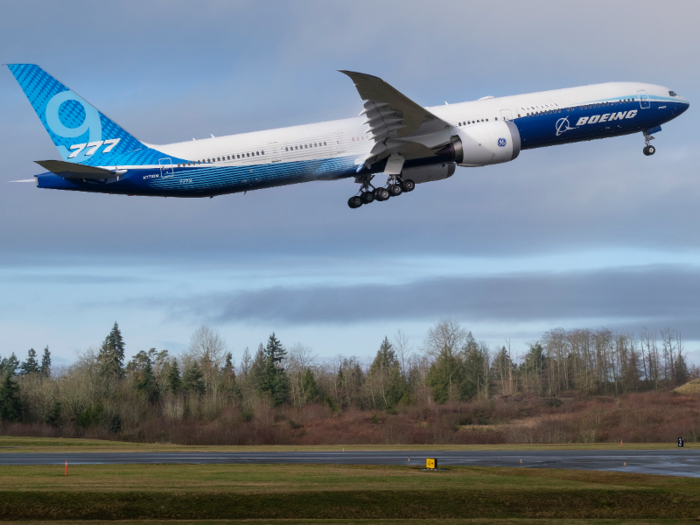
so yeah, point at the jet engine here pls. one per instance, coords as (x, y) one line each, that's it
(484, 144)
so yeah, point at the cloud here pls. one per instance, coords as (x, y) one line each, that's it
(640, 295)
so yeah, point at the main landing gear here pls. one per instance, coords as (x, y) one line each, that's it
(395, 186)
(649, 150)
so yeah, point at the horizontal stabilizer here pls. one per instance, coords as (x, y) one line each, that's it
(69, 170)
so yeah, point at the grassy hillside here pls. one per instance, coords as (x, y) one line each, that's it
(639, 418)
(691, 388)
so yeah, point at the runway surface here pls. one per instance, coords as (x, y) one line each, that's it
(674, 462)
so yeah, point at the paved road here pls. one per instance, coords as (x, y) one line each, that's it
(674, 462)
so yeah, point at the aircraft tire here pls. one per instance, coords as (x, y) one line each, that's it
(395, 190)
(355, 202)
(367, 197)
(382, 194)
(409, 185)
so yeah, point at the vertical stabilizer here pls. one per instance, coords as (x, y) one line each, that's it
(79, 130)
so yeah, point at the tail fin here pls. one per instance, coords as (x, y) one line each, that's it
(80, 131)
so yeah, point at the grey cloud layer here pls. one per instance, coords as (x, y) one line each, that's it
(653, 295)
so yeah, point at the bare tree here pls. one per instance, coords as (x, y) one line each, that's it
(403, 351)
(209, 349)
(446, 336)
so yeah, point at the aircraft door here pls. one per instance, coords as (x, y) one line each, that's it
(274, 152)
(166, 168)
(506, 114)
(339, 140)
(643, 99)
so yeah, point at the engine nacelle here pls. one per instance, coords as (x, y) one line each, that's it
(484, 144)
(430, 173)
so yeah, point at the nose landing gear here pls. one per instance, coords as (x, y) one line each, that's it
(648, 150)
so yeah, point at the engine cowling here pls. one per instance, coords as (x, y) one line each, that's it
(484, 144)
(421, 174)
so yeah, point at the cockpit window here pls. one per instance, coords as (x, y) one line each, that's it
(673, 93)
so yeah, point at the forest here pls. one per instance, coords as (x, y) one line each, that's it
(569, 386)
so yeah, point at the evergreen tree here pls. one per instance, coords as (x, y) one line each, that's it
(257, 369)
(275, 378)
(9, 365)
(141, 368)
(475, 368)
(112, 355)
(193, 379)
(173, 378)
(385, 372)
(53, 418)
(228, 366)
(385, 358)
(45, 368)
(31, 365)
(533, 367)
(228, 374)
(446, 377)
(11, 406)
(311, 390)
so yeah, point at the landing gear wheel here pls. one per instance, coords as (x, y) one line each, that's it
(355, 202)
(381, 194)
(649, 150)
(367, 197)
(408, 185)
(395, 190)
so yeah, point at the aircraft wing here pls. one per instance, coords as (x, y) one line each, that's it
(396, 123)
(69, 170)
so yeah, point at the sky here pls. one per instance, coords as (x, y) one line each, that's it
(587, 235)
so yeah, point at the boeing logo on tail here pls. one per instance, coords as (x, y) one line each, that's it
(393, 135)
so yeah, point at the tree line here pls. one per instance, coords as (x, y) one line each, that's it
(103, 389)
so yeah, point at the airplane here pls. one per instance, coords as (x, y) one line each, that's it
(393, 136)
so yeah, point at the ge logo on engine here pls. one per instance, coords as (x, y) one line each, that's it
(502, 142)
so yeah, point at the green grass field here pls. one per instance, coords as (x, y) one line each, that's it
(23, 444)
(306, 494)
(352, 494)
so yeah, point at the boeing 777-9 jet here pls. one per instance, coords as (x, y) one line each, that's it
(390, 147)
